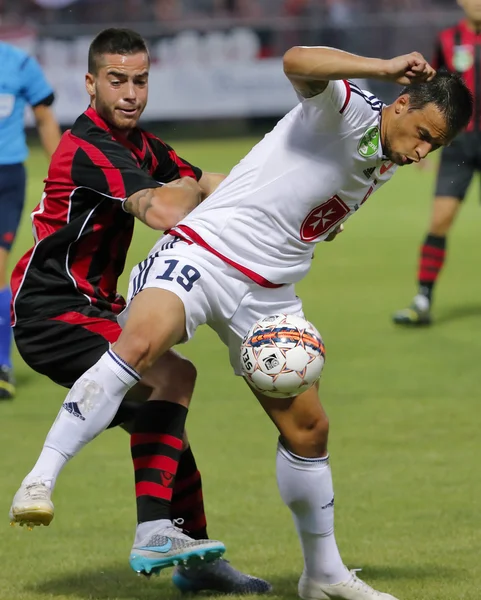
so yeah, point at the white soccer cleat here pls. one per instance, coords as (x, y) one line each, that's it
(32, 505)
(351, 589)
(167, 546)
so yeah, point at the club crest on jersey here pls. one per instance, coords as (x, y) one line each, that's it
(323, 218)
(369, 144)
(463, 58)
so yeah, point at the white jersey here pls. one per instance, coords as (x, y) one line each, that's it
(312, 172)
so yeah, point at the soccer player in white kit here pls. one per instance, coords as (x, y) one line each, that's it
(237, 256)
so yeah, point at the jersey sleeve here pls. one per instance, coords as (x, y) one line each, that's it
(171, 166)
(35, 86)
(341, 99)
(110, 169)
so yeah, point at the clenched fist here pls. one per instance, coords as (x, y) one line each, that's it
(409, 68)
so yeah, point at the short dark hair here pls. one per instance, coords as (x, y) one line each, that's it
(449, 93)
(115, 41)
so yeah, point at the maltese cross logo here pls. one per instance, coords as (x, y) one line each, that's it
(323, 218)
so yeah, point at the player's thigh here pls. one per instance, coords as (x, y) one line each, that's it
(456, 168)
(155, 323)
(12, 199)
(301, 421)
(171, 294)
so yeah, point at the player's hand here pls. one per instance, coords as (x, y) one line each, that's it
(409, 68)
(335, 233)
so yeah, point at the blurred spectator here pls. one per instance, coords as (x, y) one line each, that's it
(296, 8)
(143, 11)
(54, 3)
(167, 10)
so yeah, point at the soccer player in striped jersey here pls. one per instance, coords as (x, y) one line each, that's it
(458, 50)
(105, 174)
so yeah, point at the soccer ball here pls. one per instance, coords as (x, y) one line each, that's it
(282, 356)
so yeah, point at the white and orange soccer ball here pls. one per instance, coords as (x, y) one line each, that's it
(282, 355)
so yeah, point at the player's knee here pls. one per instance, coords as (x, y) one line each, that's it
(310, 438)
(173, 377)
(441, 227)
(135, 349)
(186, 370)
(443, 217)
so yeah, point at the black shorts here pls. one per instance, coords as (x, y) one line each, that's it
(459, 161)
(65, 346)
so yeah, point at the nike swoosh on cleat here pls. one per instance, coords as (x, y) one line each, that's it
(162, 549)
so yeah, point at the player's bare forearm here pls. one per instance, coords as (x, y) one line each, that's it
(162, 208)
(48, 129)
(209, 182)
(311, 68)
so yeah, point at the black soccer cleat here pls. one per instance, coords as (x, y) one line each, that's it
(218, 576)
(413, 316)
(7, 383)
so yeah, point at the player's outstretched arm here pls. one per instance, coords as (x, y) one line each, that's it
(162, 208)
(47, 127)
(311, 69)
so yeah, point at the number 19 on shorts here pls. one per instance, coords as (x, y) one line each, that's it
(184, 275)
(188, 274)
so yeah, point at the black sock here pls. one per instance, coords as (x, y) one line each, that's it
(156, 446)
(431, 261)
(187, 499)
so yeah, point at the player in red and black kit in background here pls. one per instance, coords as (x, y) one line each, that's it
(105, 173)
(458, 50)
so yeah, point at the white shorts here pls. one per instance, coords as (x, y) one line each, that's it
(213, 292)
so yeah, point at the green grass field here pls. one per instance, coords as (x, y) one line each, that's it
(404, 409)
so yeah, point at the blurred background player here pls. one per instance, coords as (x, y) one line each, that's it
(458, 50)
(22, 82)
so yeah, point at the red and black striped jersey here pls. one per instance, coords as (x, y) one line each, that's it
(458, 49)
(80, 228)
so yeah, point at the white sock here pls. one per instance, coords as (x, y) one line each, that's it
(421, 302)
(306, 488)
(88, 409)
(48, 466)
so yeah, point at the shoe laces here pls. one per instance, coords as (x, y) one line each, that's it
(37, 490)
(177, 524)
(358, 584)
(176, 527)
